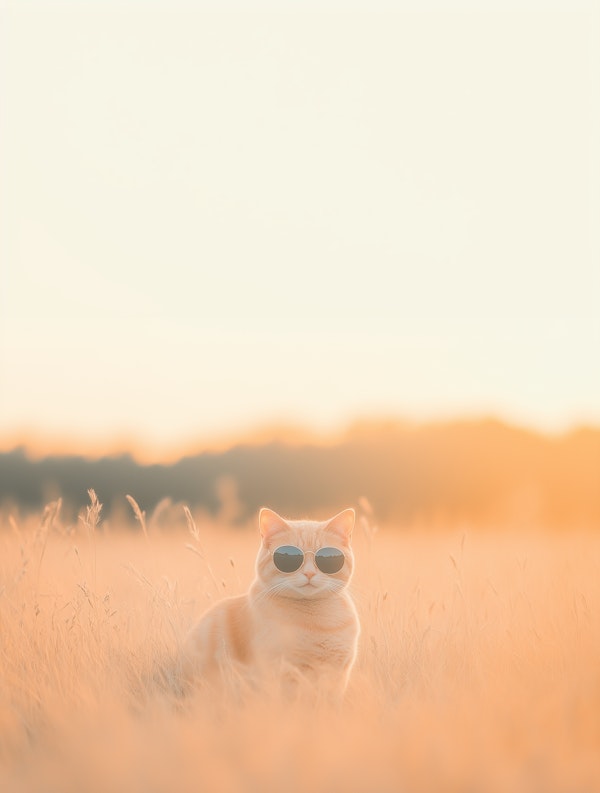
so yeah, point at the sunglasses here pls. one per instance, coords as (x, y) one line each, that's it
(288, 559)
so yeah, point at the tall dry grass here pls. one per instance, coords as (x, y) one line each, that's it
(479, 667)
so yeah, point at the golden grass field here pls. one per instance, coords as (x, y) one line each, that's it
(479, 667)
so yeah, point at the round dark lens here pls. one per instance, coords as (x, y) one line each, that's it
(288, 558)
(329, 560)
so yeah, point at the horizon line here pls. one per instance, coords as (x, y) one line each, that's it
(42, 445)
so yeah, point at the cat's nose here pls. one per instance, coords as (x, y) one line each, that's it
(309, 574)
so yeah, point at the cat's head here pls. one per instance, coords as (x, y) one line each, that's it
(300, 558)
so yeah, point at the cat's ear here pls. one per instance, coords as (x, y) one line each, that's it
(270, 523)
(342, 524)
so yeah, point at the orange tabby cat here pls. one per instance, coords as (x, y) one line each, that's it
(297, 617)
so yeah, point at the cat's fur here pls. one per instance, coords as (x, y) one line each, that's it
(301, 624)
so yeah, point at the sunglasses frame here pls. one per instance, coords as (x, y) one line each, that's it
(304, 554)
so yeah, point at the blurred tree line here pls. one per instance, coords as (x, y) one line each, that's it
(481, 472)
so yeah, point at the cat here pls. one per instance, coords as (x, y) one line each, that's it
(297, 619)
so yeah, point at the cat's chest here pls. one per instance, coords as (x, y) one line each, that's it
(307, 637)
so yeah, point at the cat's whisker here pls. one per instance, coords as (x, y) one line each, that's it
(272, 591)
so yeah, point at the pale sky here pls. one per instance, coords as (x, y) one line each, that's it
(216, 216)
